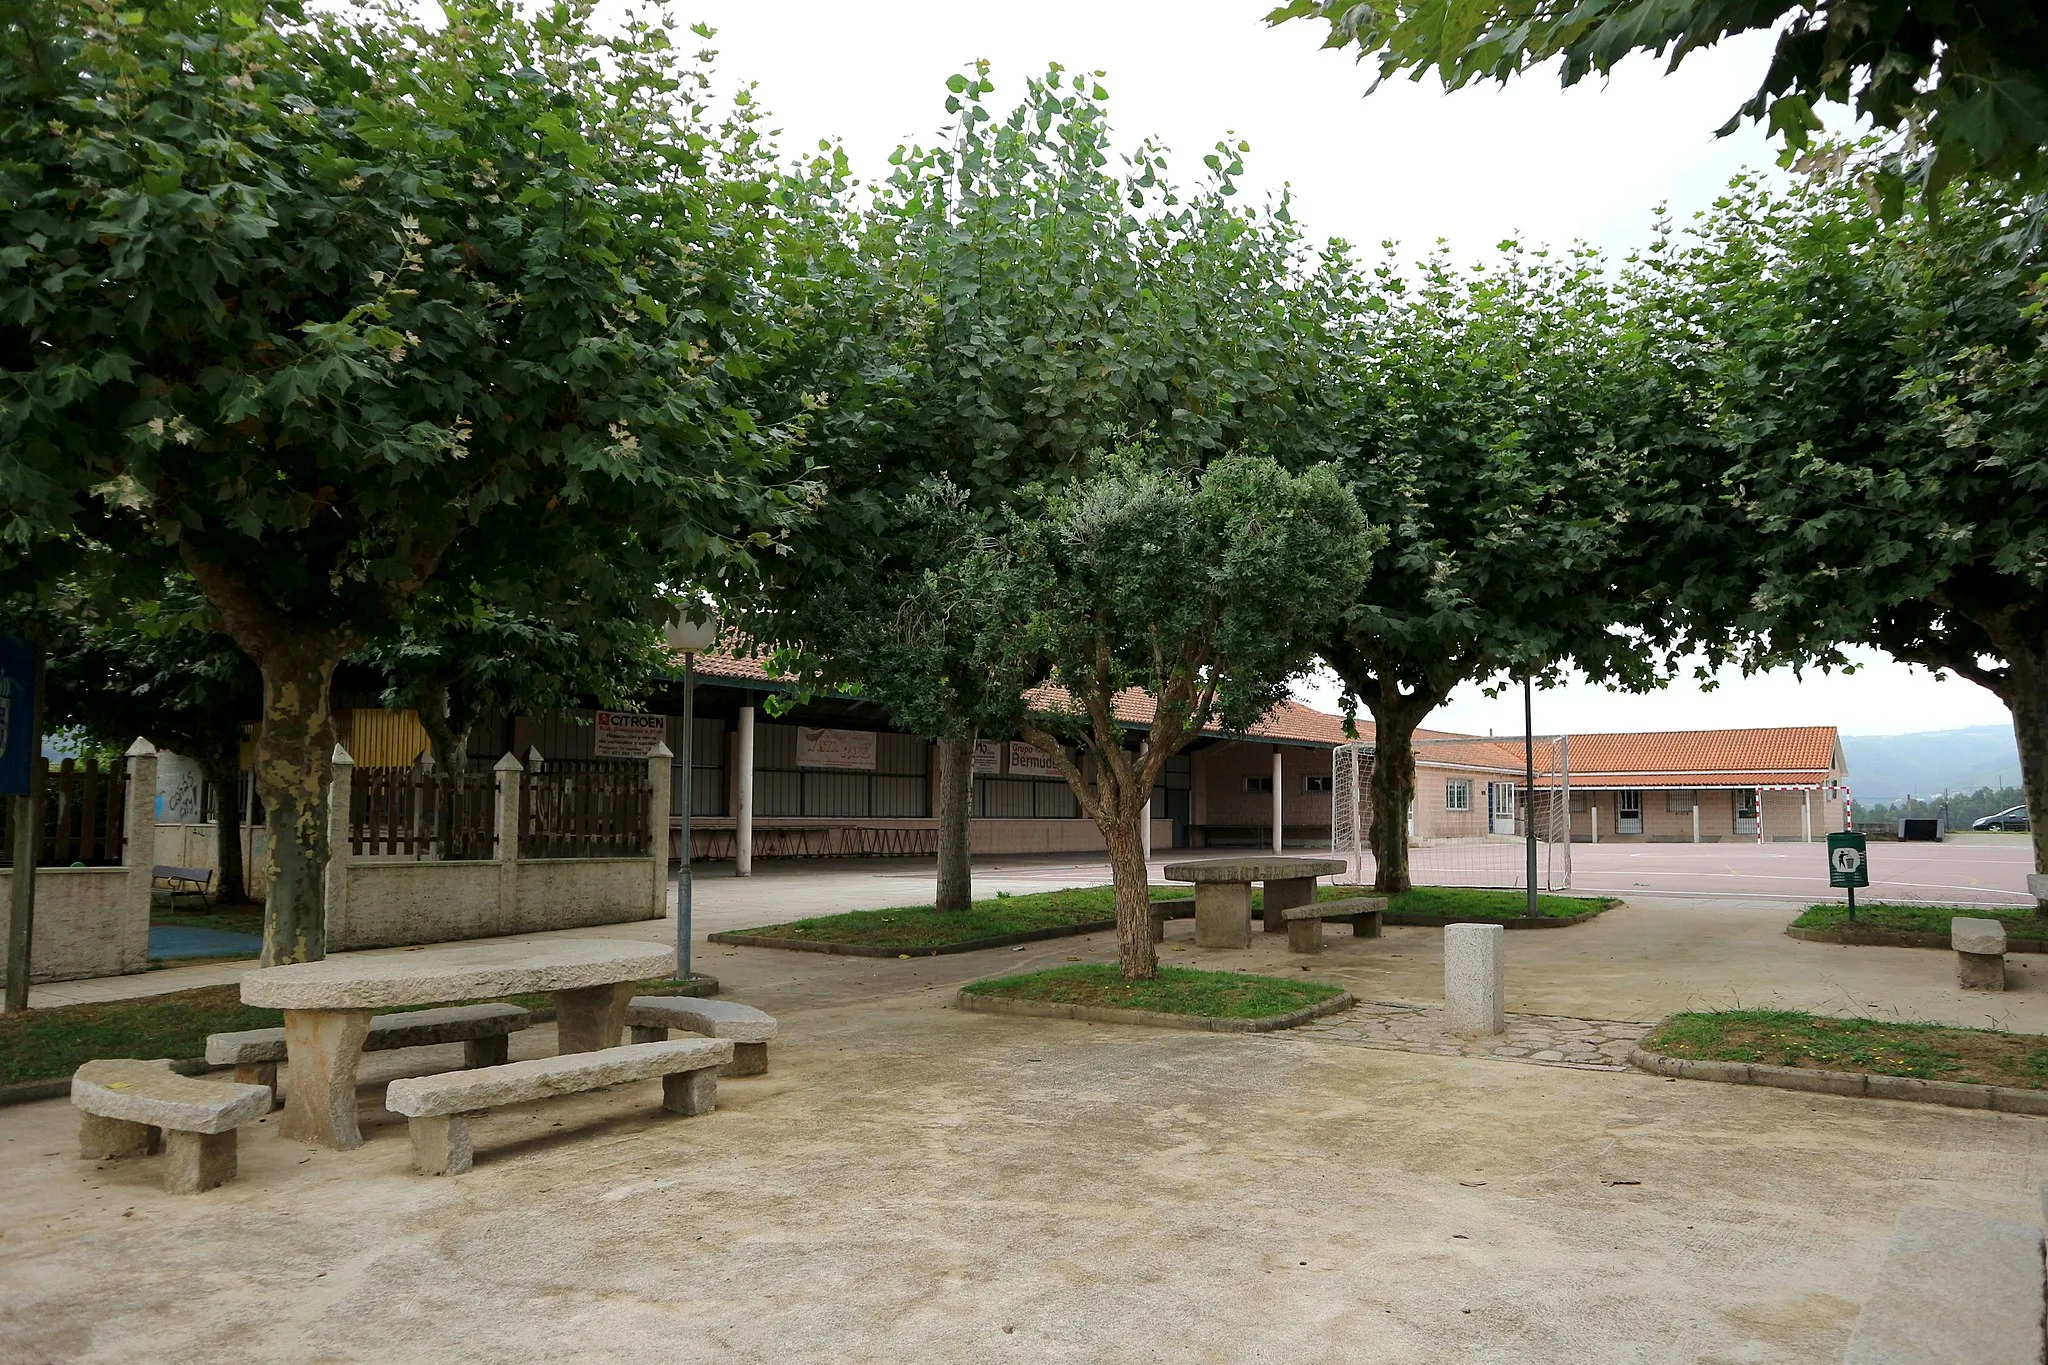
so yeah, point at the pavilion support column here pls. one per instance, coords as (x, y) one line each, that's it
(1806, 817)
(743, 806)
(1695, 817)
(1279, 800)
(1145, 830)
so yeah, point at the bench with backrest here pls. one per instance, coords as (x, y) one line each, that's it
(650, 1017)
(483, 1030)
(439, 1107)
(194, 879)
(129, 1108)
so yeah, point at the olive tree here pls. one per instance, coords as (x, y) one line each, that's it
(1202, 591)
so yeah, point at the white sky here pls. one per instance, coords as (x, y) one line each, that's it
(1411, 163)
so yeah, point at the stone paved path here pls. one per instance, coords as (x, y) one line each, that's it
(1545, 1039)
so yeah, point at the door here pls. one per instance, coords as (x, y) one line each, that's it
(1745, 811)
(1628, 812)
(1500, 808)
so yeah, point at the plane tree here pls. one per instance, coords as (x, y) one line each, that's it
(1865, 459)
(307, 298)
(1489, 417)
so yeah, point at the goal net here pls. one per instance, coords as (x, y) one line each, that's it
(1472, 811)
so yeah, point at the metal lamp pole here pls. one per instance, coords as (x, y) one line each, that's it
(1529, 778)
(689, 800)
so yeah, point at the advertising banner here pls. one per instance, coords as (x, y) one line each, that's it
(1027, 761)
(850, 749)
(988, 758)
(628, 734)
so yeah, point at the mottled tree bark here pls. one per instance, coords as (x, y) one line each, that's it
(1136, 954)
(2027, 697)
(956, 798)
(1393, 792)
(294, 754)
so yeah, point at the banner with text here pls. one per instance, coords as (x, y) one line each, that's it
(852, 749)
(1027, 760)
(628, 734)
(988, 758)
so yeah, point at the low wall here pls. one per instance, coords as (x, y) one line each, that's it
(197, 845)
(394, 904)
(90, 921)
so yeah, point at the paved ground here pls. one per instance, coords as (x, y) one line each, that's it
(912, 1182)
(1538, 1039)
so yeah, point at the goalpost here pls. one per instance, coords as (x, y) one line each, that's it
(1471, 816)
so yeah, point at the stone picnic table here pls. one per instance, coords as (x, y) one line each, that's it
(1223, 893)
(328, 1006)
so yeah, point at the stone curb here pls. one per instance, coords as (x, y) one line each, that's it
(1519, 922)
(1858, 936)
(1105, 1014)
(53, 1087)
(1955, 1094)
(739, 938)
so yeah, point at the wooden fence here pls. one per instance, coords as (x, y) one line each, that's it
(404, 812)
(83, 807)
(588, 811)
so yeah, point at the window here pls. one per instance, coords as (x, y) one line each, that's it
(1458, 793)
(1316, 782)
(1259, 784)
(1678, 803)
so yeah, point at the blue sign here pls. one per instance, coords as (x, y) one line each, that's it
(18, 738)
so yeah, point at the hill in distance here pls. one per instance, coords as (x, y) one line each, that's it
(1889, 767)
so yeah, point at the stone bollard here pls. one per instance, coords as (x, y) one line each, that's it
(1980, 953)
(1475, 998)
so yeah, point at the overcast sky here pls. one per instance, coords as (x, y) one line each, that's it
(1411, 164)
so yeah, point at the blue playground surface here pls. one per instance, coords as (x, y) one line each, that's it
(177, 940)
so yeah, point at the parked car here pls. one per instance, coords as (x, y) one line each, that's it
(2015, 820)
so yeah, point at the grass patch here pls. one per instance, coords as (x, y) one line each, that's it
(194, 912)
(1176, 990)
(1475, 903)
(1870, 1046)
(55, 1042)
(1920, 919)
(922, 926)
(46, 1043)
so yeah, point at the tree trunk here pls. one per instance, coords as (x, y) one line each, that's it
(294, 753)
(1393, 792)
(448, 736)
(956, 799)
(1135, 951)
(230, 883)
(2026, 696)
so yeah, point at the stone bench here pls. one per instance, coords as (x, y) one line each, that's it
(1980, 953)
(440, 1107)
(483, 1030)
(1365, 914)
(650, 1017)
(125, 1108)
(1954, 1287)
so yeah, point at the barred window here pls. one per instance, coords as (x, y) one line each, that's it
(1458, 793)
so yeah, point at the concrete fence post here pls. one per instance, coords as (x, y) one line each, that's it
(659, 759)
(138, 854)
(339, 788)
(505, 839)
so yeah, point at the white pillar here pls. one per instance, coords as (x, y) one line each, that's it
(1279, 799)
(660, 794)
(1695, 817)
(1593, 812)
(743, 803)
(1145, 830)
(1806, 817)
(1475, 998)
(1759, 815)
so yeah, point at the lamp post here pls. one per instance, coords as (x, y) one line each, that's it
(1529, 790)
(691, 638)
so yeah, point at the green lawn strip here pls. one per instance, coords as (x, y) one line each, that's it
(1467, 902)
(1920, 919)
(1871, 1046)
(196, 914)
(47, 1043)
(921, 926)
(1176, 990)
